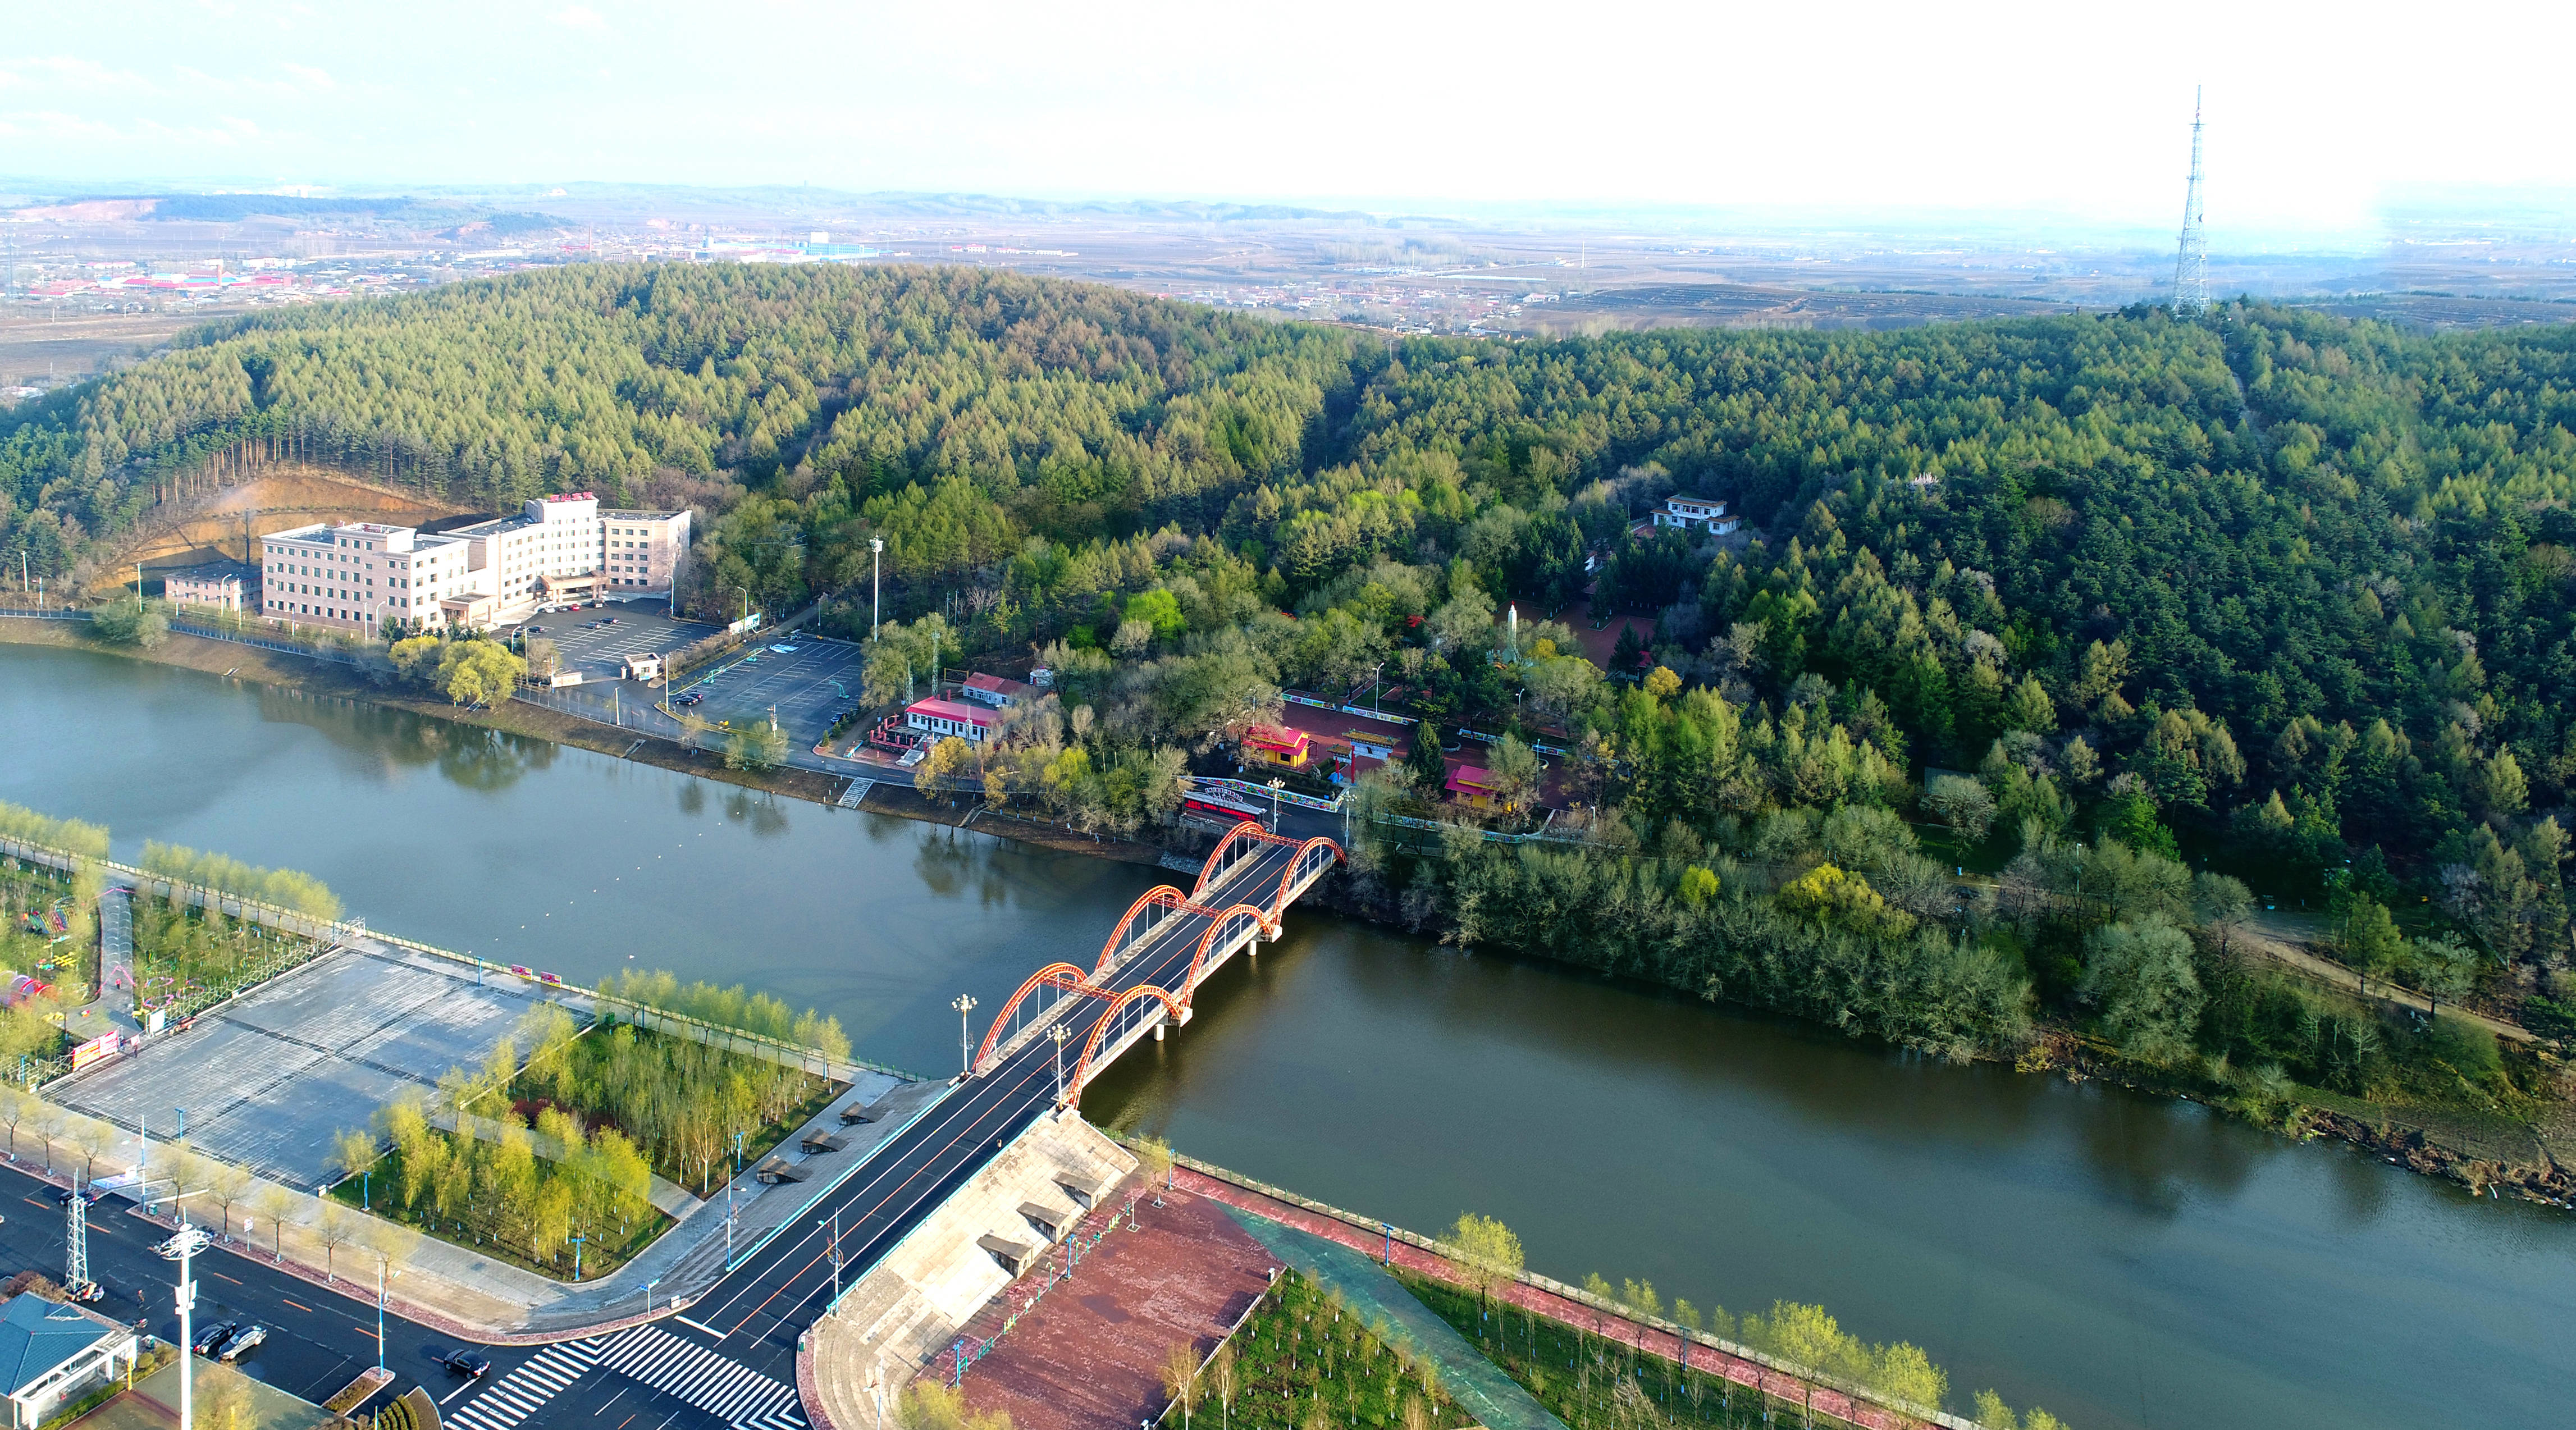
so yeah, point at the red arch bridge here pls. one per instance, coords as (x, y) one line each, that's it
(1154, 960)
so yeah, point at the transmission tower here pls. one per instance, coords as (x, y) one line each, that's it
(2191, 265)
(76, 1243)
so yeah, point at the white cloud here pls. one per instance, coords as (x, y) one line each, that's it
(313, 78)
(581, 17)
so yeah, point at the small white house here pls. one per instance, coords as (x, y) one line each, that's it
(52, 1353)
(1697, 514)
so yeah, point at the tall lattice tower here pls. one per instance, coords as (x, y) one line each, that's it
(2191, 265)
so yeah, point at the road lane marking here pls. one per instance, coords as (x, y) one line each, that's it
(692, 1325)
(297, 1304)
(221, 1276)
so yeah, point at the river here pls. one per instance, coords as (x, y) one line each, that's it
(2124, 1261)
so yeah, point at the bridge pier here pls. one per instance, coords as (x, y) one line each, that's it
(1158, 1032)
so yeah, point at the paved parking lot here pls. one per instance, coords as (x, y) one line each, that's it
(594, 649)
(807, 677)
(270, 1078)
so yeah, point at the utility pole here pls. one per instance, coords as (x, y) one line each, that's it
(876, 582)
(2191, 264)
(184, 1244)
(964, 1005)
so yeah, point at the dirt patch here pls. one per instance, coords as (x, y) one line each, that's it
(228, 519)
(1093, 1360)
(38, 345)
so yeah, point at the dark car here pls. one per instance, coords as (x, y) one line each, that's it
(469, 1363)
(691, 698)
(212, 1338)
(612, 620)
(536, 630)
(90, 1196)
(243, 1342)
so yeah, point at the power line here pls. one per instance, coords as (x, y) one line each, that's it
(2191, 264)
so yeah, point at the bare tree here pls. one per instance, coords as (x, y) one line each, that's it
(229, 1186)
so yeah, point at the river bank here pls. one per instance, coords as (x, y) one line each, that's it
(2126, 1260)
(327, 680)
(2465, 1150)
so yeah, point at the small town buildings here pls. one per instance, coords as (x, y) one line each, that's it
(937, 718)
(1000, 692)
(1277, 746)
(1697, 514)
(52, 1353)
(215, 585)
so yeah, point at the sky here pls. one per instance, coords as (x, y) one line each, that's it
(2316, 112)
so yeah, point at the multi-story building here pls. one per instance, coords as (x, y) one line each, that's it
(363, 577)
(550, 553)
(643, 550)
(368, 579)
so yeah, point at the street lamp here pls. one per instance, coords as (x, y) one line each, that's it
(183, 1244)
(648, 1294)
(876, 587)
(1276, 785)
(964, 1005)
(1059, 1032)
(383, 1273)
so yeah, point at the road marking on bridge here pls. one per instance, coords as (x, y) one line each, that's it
(716, 1384)
(525, 1391)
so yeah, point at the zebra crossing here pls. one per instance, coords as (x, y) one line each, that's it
(521, 1393)
(723, 1388)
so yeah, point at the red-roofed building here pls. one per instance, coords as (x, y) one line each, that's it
(1000, 692)
(1276, 745)
(939, 718)
(1471, 785)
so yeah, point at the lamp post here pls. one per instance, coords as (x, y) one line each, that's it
(183, 1244)
(648, 1293)
(384, 1273)
(1276, 785)
(964, 1005)
(876, 586)
(1059, 1032)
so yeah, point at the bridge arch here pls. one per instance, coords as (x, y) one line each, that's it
(1311, 858)
(1248, 832)
(1112, 1026)
(1055, 975)
(1224, 926)
(1161, 896)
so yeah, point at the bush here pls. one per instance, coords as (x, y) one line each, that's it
(131, 623)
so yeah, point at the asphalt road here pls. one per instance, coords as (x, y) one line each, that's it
(781, 1288)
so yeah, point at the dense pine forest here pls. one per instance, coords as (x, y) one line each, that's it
(2128, 612)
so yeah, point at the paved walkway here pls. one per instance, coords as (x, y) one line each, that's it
(1650, 1338)
(112, 1011)
(1482, 1388)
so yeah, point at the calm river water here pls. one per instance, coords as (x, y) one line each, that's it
(2121, 1260)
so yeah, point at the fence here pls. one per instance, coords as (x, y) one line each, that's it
(328, 931)
(1681, 1335)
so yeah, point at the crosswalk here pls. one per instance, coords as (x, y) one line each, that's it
(523, 1392)
(723, 1388)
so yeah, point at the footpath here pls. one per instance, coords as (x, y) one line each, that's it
(1556, 1301)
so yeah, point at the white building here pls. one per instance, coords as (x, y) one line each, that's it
(362, 576)
(222, 585)
(366, 578)
(643, 550)
(1697, 514)
(550, 553)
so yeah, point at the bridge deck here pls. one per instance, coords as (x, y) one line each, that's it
(781, 1286)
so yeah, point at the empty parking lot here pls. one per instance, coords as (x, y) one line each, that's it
(267, 1080)
(595, 648)
(806, 677)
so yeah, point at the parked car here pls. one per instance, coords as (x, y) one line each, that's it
(471, 1364)
(212, 1338)
(536, 630)
(612, 620)
(90, 1196)
(691, 698)
(243, 1342)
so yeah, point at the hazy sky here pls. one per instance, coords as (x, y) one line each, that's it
(2076, 108)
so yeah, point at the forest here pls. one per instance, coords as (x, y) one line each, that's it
(2140, 622)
